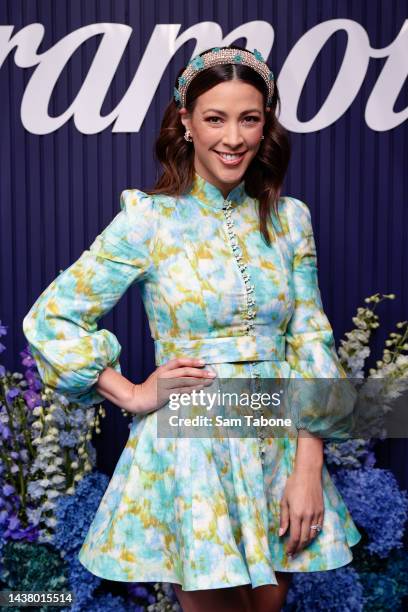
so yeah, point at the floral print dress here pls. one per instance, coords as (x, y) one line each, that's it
(200, 512)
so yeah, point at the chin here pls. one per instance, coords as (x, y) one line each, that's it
(232, 171)
(231, 175)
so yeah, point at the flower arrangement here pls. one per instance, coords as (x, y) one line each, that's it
(45, 450)
(383, 385)
(51, 491)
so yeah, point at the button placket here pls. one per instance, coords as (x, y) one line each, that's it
(260, 412)
(250, 311)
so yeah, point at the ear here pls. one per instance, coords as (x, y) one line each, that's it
(185, 118)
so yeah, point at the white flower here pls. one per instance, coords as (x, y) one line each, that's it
(44, 482)
(52, 493)
(58, 479)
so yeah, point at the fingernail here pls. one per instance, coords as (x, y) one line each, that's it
(211, 374)
(201, 361)
(280, 530)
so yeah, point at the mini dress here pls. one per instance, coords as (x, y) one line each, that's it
(202, 512)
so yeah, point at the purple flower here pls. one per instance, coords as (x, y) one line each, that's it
(33, 380)
(2, 371)
(15, 532)
(8, 490)
(27, 359)
(12, 393)
(32, 399)
(4, 432)
(3, 329)
(138, 590)
(2, 347)
(14, 522)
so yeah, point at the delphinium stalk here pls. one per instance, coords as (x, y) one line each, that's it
(45, 449)
(353, 352)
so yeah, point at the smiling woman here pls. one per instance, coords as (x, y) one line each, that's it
(226, 520)
(228, 113)
(226, 128)
(225, 144)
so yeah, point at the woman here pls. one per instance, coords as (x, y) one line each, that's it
(227, 271)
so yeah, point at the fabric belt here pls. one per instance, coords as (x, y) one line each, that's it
(223, 349)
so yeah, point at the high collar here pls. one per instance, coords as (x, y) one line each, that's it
(212, 196)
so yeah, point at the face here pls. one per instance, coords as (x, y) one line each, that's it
(227, 119)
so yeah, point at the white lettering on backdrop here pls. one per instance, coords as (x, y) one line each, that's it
(129, 114)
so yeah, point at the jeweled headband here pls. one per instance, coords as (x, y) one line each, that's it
(253, 59)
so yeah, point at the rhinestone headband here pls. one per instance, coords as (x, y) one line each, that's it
(216, 56)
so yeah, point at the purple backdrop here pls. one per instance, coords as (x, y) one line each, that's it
(59, 189)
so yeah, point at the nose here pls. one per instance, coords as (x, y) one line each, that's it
(232, 136)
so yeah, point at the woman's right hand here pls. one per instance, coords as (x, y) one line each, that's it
(179, 375)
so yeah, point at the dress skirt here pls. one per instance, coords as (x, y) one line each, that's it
(204, 512)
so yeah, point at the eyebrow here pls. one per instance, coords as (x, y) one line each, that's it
(215, 110)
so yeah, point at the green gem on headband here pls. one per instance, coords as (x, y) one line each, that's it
(217, 56)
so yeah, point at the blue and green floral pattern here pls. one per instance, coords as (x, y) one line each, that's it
(201, 512)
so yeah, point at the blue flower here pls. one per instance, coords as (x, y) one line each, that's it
(339, 590)
(258, 55)
(74, 513)
(238, 58)
(108, 603)
(271, 77)
(177, 94)
(215, 49)
(68, 439)
(197, 62)
(377, 504)
(181, 80)
(83, 583)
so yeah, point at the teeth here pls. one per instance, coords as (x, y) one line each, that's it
(229, 155)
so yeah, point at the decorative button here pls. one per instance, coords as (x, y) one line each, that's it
(242, 266)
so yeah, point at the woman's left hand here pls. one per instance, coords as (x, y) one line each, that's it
(300, 507)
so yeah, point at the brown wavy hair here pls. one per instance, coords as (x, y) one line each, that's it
(264, 175)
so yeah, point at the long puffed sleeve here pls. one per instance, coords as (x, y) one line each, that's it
(323, 407)
(61, 326)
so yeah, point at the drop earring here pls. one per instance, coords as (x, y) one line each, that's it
(188, 136)
(262, 137)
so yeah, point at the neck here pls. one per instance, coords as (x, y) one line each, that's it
(214, 196)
